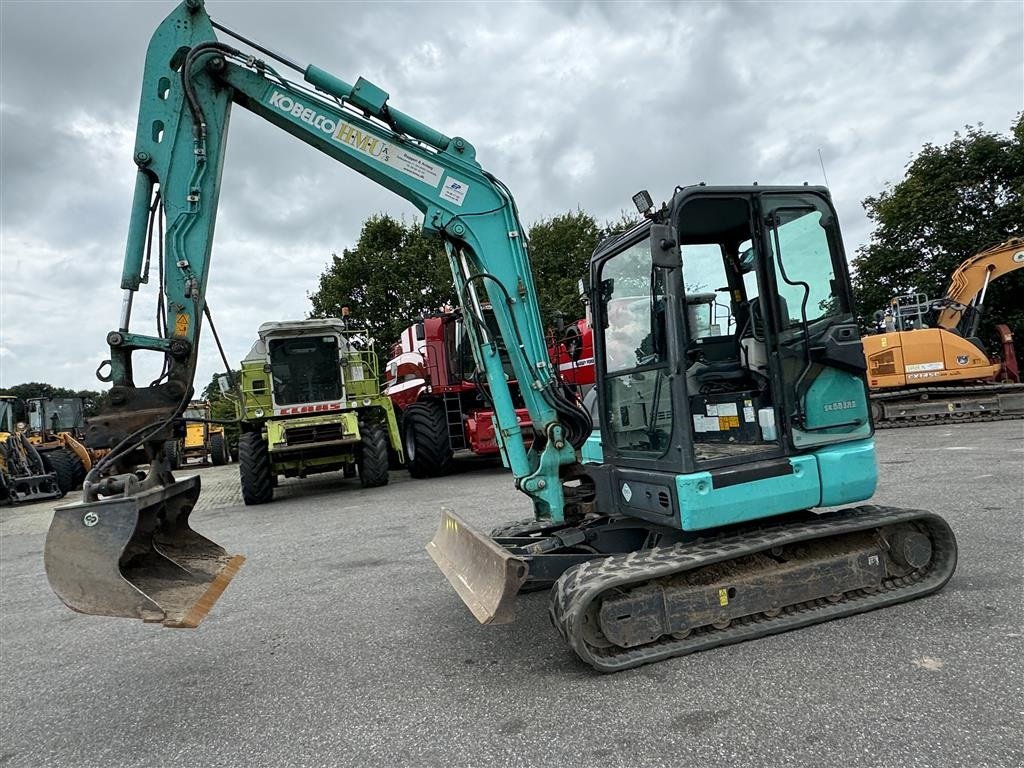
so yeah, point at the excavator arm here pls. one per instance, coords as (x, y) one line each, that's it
(127, 548)
(970, 281)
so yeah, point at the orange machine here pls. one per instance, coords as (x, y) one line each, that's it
(933, 366)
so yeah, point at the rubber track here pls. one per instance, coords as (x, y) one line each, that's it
(579, 587)
(373, 464)
(429, 427)
(980, 389)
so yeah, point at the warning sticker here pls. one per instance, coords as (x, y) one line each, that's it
(712, 410)
(454, 191)
(729, 422)
(748, 414)
(705, 423)
(728, 409)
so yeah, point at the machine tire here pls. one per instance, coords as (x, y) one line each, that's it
(218, 450)
(254, 469)
(172, 450)
(66, 466)
(373, 456)
(428, 451)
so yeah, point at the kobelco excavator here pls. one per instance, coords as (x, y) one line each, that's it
(687, 524)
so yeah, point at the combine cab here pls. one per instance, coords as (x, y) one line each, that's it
(311, 403)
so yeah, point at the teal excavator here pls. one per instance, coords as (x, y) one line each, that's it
(674, 515)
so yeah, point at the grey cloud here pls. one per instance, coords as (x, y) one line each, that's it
(630, 95)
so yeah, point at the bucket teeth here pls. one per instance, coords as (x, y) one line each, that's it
(137, 557)
(486, 576)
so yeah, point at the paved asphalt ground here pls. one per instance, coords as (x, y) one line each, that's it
(339, 643)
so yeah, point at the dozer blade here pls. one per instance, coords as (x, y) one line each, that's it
(486, 576)
(136, 557)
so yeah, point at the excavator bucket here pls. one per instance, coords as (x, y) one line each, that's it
(136, 557)
(486, 576)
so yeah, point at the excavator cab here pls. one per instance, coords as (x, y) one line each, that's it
(724, 338)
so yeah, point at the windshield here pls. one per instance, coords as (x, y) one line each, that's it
(805, 274)
(6, 419)
(195, 413)
(305, 370)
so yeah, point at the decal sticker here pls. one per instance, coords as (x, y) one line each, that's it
(728, 409)
(627, 492)
(454, 191)
(723, 597)
(359, 139)
(918, 367)
(840, 405)
(181, 324)
(748, 414)
(291, 410)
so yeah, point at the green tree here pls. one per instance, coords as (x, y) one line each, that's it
(560, 249)
(954, 201)
(94, 401)
(222, 405)
(392, 276)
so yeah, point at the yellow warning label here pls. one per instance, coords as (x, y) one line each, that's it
(885, 342)
(723, 597)
(181, 324)
(729, 422)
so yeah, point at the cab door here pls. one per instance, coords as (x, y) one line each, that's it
(820, 357)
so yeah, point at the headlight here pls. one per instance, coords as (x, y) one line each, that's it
(258, 413)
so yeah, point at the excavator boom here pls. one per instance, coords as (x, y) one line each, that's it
(127, 549)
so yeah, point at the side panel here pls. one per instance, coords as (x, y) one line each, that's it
(593, 450)
(702, 505)
(848, 472)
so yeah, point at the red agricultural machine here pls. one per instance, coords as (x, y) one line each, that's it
(434, 384)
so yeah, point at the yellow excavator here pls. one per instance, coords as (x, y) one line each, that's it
(929, 364)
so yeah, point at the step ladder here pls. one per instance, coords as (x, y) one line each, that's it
(453, 415)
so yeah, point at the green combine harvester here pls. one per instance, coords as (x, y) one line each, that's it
(310, 403)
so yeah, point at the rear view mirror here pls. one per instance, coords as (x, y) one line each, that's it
(664, 251)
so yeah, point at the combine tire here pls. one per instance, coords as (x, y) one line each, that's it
(428, 451)
(66, 466)
(373, 458)
(254, 469)
(218, 450)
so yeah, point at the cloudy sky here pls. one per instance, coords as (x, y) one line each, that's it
(571, 104)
